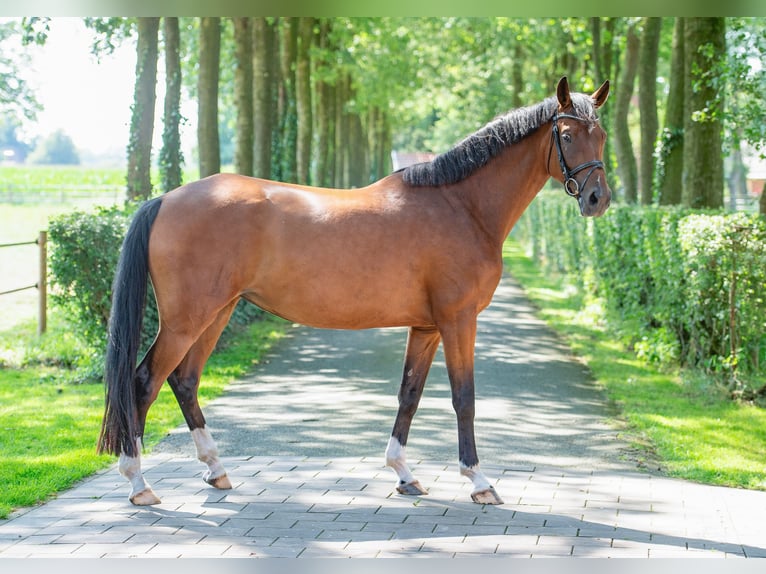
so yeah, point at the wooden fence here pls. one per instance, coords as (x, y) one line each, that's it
(42, 282)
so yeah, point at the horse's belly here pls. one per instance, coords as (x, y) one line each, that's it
(333, 305)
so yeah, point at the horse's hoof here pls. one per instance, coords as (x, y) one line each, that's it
(145, 498)
(411, 488)
(221, 482)
(487, 496)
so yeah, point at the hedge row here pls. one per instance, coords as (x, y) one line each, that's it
(85, 247)
(688, 286)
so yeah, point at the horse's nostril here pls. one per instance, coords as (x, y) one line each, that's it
(593, 199)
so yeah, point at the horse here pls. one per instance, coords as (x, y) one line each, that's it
(420, 248)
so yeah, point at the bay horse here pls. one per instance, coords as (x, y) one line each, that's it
(420, 248)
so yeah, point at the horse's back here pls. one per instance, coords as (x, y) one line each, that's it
(370, 257)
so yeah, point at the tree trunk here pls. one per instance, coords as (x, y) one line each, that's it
(341, 132)
(737, 178)
(623, 147)
(139, 183)
(603, 53)
(207, 89)
(171, 158)
(358, 171)
(243, 95)
(703, 162)
(671, 160)
(517, 76)
(647, 104)
(325, 110)
(289, 123)
(303, 98)
(264, 108)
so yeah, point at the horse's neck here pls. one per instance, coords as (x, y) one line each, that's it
(500, 191)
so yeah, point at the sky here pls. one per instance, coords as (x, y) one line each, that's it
(88, 99)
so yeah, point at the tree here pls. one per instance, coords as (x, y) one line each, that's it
(324, 166)
(623, 147)
(139, 184)
(15, 94)
(243, 95)
(207, 93)
(57, 149)
(647, 104)
(264, 108)
(603, 38)
(303, 98)
(9, 138)
(670, 145)
(704, 42)
(288, 36)
(171, 159)
(745, 78)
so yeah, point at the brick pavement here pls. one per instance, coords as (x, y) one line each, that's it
(310, 507)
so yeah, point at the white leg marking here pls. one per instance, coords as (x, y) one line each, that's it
(396, 459)
(477, 477)
(130, 468)
(207, 452)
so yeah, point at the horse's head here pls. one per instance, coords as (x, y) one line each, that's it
(578, 139)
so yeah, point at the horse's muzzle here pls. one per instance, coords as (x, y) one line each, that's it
(595, 200)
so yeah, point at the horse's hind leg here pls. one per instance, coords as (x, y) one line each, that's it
(185, 382)
(421, 348)
(163, 356)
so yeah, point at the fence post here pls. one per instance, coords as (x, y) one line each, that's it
(42, 284)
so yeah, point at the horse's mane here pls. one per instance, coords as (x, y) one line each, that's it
(476, 150)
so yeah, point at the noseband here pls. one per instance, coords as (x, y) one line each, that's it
(570, 183)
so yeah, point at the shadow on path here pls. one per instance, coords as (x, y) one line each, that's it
(333, 393)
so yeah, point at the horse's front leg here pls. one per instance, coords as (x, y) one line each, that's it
(459, 342)
(421, 348)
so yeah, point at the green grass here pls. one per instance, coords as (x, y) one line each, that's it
(678, 420)
(33, 176)
(49, 425)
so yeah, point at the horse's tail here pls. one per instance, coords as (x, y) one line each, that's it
(119, 426)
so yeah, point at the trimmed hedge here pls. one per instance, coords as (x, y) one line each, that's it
(683, 286)
(85, 248)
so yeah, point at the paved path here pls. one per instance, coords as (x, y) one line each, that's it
(303, 441)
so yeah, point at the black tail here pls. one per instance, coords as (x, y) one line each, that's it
(119, 427)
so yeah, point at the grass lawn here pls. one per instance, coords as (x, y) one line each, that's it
(678, 420)
(49, 427)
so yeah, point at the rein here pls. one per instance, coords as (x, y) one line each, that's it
(571, 186)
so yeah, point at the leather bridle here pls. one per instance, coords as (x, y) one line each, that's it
(571, 186)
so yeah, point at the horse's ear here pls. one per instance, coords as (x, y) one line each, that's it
(600, 95)
(562, 93)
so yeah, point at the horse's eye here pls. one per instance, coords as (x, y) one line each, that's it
(567, 138)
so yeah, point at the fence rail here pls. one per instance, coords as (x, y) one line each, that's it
(42, 282)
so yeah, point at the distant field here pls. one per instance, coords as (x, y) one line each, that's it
(29, 196)
(63, 176)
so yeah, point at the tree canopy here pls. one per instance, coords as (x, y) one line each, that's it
(324, 100)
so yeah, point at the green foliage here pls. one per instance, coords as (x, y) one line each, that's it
(678, 421)
(57, 149)
(16, 95)
(84, 249)
(680, 286)
(667, 140)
